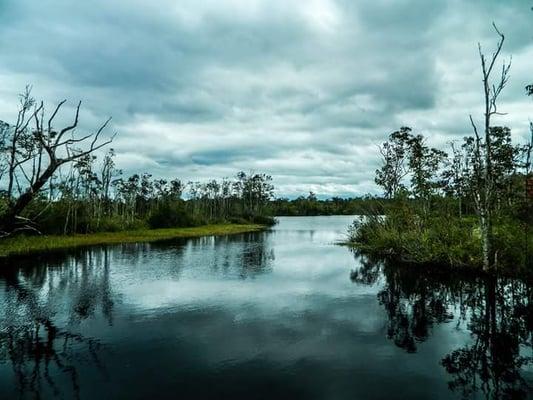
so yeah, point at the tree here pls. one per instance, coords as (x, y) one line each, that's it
(455, 176)
(33, 155)
(254, 190)
(423, 163)
(407, 154)
(393, 169)
(108, 173)
(484, 183)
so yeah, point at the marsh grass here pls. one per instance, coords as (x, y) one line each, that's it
(440, 240)
(25, 245)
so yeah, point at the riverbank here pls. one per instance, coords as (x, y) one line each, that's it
(25, 245)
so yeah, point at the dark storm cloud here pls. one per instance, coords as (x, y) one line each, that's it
(301, 90)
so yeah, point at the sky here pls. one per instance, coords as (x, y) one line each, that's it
(302, 90)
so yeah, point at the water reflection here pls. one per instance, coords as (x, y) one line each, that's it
(33, 340)
(46, 305)
(497, 312)
(260, 315)
(244, 256)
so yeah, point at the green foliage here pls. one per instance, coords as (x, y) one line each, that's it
(116, 224)
(423, 163)
(513, 244)
(444, 240)
(262, 220)
(171, 215)
(237, 220)
(430, 220)
(87, 202)
(393, 169)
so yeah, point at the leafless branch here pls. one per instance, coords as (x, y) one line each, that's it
(59, 105)
(70, 127)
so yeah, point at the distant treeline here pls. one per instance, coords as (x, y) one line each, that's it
(310, 205)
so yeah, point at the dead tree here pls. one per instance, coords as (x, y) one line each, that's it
(483, 153)
(35, 154)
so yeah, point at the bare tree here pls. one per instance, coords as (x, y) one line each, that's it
(35, 154)
(483, 152)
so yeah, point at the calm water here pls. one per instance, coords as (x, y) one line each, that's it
(283, 314)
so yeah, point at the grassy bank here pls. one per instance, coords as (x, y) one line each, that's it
(24, 245)
(440, 241)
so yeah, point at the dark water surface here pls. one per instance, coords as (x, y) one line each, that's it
(283, 314)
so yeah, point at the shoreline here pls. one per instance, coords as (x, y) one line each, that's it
(437, 266)
(31, 245)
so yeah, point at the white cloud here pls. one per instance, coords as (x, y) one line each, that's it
(299, 90)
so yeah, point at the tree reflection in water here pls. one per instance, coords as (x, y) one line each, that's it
(497, 312)
(44, 302)
(246, 255)
(43, 356)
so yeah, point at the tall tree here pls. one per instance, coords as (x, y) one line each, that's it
(483, 147)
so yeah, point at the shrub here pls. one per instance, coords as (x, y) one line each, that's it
(238, 220)
(410, 237)
(263, 220)
(117, 224)
(171, 215)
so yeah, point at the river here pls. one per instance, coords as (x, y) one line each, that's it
(281, 314)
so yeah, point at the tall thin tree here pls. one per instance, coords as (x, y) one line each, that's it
(483, 153)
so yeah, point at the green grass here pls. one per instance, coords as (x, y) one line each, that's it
(23, 245)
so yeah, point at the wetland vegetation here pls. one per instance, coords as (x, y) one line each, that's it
(470, 208)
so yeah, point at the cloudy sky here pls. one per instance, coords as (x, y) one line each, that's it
(302, 90)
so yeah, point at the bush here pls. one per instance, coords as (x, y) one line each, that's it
(264, 220)
(116, 224)
(406, 235)
(511, 246)
(439, 239)
(253, 219)
(171, 215)
(238, 220)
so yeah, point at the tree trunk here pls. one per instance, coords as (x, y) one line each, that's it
(9, 221)
(486, 241)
